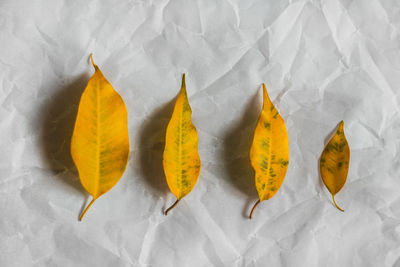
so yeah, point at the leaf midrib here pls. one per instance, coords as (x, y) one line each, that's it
(269, 151)
(98, 129)
(180, 145)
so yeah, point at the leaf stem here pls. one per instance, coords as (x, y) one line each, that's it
(339, 208)
(84, 212)
(254, 207)
(173, 206)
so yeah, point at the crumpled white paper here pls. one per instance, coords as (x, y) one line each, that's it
(322, 61)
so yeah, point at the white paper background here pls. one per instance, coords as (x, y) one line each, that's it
(323, 61)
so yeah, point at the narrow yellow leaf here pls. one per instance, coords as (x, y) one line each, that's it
(334, 162)
(181, 158)
(269, 153)
(100, 142)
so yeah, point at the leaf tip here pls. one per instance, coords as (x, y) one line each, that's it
(183, 81)
(266, 98)
(341, 125)
(264, 88)
(91, 59)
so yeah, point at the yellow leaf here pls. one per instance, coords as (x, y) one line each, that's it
(334, 162)
(100, 142)
(181, 158)
(269, 153)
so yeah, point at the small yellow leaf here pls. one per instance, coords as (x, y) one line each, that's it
(269, 153)
(334, 162)
(181, 158)
(100, 142)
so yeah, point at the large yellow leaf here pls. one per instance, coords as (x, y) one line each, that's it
(269, 153)
(100, 142)
(334, 162)
(181, 158)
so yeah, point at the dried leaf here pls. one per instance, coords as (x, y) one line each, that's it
(100, 142)
(269, 153)
(181, 158)
(334, 162)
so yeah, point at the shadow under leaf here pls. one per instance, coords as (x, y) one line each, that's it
(59, 116)
(237, 149)
(152, 142)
